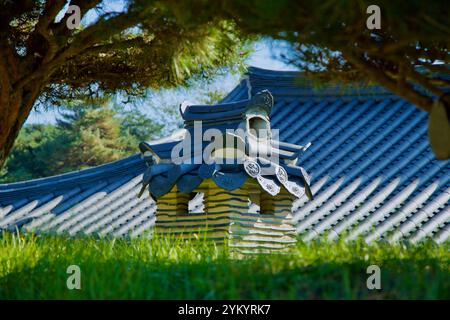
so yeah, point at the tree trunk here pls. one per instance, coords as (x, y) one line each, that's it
(8, 134)
(13, 114)
(439, 129)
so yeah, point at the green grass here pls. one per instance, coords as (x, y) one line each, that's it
(35, 268)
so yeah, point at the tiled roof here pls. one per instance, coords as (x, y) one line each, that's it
(189, 161)
(372, 171)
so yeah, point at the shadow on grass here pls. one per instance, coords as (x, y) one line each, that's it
(264, 277)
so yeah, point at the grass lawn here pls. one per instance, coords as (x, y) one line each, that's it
(35, 268)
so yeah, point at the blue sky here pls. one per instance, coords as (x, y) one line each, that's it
(262, 57)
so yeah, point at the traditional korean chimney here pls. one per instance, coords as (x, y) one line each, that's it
(230, 154)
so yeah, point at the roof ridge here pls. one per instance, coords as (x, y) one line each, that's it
(294, 83)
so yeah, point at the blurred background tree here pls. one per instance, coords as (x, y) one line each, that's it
(85, 135)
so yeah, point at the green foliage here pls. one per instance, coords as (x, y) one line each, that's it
(86, 135)
(214, 97)
(137, 125)
(151, 46)
(96, 137)
(36, 153)
(35, 268)
(147, 41)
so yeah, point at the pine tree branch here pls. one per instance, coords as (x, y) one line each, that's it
(137, 42)
(52, 8)
(96, 33)
(402, 89)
